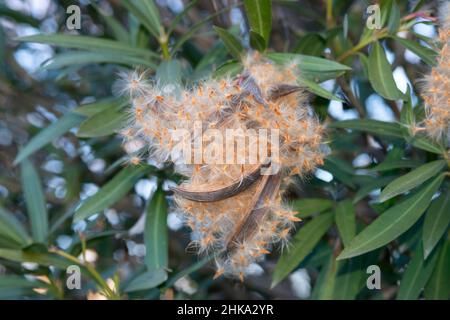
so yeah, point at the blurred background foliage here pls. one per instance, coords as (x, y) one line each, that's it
(70, 196)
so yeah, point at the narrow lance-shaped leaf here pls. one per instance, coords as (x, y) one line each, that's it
(436, 222)
(407, 117)
(90, 109)
(417, 274)
(301, 245)
(346, 221)
(169, 72)
(317, 89)
(79, 58)
(394, 18)
(35, 201)
(257, 42)
(376, 127)
(438, 286)
(426, 54)
(156, 233)
(147, 14)
(308, 207)
(328, 285)
(411, 179)
(106, 122)
(88, 43)
(120, 33)
(393, 222)
(259, 13)
(147, 280)
(380, 74)
(111, 192)
(395, 164)
(231, 42)
(47, 135)
(43, 259)
(12, 229)
(313, 68)
(349, 279)
(370, 186)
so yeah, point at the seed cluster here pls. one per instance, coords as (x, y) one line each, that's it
(234, 210)
(437, 85)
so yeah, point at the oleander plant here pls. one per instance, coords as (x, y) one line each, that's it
(351, 199)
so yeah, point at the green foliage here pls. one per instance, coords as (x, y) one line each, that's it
(392, 211)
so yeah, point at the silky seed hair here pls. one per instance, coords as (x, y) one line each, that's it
(234, 211)
(436, 92)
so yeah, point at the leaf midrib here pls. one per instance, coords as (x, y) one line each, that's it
(413, 205)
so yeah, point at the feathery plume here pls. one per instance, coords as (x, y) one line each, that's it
(436, 92)
(233, 208)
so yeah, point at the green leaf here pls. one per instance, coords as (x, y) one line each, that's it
(376, 127)
(47, 135)
(426, 54)
(11, 229)
(184, 272)
(311, 44)
(194, 29)
(257, 42)
(317, 89)
(393, 222)
(394, 18)
(345, 217)
(302, 244)
(438, 286)
(320, 280)
(147, 280)
(229, 68)
(436, 222)
(327, 287)
(89, 44)
(340, 170)
(422, 142)
(369, 187)
(106, 122)
(407, 116)
(111, 192)
(411, 179)
(380, 74)
(155, 232)
(43, 259)
(35, 201)
(416, 275)
(308, 207)
(310, 67)
(179, 16)
(152, 13)
(395, 164)
(73, 58)
(349, 279)
(147, 14)
(259, 14)
(18, 16)
(119, 32)
(90, 109)
(14, 282)
(169, 72)
(231, 42)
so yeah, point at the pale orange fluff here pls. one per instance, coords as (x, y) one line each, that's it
(436, 92)
(264, 96)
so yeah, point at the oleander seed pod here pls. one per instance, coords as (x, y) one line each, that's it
(436, 93)
(233, 208)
